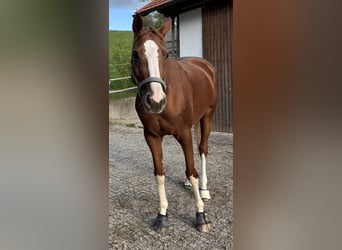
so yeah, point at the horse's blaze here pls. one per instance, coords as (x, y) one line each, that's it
(157, 95)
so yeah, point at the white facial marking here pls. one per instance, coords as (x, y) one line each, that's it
(160, 179)
(151, 52)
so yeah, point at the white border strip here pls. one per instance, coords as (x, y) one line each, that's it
(120, 64)
(121, 90)
(120, 78)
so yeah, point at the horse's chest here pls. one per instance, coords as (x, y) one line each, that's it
(158, 124)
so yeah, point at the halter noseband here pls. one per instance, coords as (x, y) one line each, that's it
(148, 80)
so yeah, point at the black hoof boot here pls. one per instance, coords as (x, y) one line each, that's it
(202, 224)
(161, 222)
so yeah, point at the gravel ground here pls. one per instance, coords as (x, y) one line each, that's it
(134, 201)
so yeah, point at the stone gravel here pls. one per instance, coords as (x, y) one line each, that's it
(134, 201)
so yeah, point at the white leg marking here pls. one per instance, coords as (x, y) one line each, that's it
(203, 180)
(199, 202)
(151, 52)
(187, 183)
(203, 184)
(160, 179)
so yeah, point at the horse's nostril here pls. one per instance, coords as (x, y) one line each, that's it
(148, 100)
(162, 102)
(152, 106)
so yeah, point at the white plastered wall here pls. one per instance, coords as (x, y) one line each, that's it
(190, 33)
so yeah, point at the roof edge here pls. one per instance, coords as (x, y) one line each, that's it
(145, 10)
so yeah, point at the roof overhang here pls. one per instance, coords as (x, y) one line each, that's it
(174, 7)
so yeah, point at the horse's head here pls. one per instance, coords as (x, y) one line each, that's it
(149, 56)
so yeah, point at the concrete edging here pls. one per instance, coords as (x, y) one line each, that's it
(122, 111)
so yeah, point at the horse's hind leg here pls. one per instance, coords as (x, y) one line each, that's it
(203, 151)
(187, 183)
(155, 144)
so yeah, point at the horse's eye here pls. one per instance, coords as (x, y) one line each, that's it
(167, 56)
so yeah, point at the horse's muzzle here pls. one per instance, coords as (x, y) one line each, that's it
(151, 106)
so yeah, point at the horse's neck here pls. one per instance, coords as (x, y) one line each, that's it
(173, 65)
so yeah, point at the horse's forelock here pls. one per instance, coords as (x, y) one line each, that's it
(150, 30)
(156, 32)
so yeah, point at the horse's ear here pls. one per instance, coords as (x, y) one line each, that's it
(137, 23)
(166, 26)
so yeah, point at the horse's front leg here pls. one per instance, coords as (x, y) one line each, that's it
(155, 145)
(185, 139)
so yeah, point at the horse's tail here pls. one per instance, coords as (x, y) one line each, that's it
(198, 132)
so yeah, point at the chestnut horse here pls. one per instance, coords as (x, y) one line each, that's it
(173, 95)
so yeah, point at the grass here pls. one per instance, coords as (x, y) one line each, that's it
(120, 46)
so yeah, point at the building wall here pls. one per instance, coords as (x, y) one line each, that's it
(217, 49)
(190, 33)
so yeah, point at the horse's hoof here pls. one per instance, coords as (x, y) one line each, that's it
(205, 195)
(160, 223)
(201, 223)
